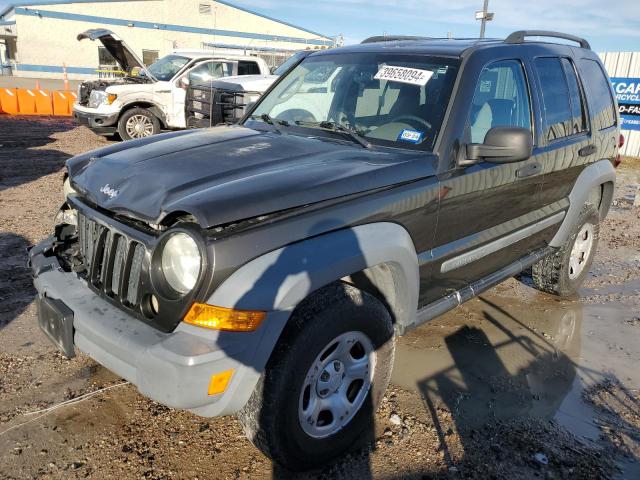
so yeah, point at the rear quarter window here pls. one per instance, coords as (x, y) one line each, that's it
(598, 91)
(246, 67)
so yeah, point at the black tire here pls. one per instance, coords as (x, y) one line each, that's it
(153, 122)
(271, 419)
(552, 274)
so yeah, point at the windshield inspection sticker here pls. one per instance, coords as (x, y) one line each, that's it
(412, 76)
(411, 136)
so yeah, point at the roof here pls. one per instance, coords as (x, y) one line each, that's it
(194, 54)
(21, 3)
(453, 47)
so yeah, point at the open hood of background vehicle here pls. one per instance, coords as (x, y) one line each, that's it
(125, 57)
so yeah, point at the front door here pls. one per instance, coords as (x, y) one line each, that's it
(202, 73)
(490, 213)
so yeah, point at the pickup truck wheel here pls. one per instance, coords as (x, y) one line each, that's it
(563, 273)
(138, 123)
(318, 394)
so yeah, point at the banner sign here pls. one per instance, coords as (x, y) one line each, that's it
(627, 91)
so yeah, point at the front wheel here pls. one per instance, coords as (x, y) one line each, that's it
(138, 123)
(318, 394)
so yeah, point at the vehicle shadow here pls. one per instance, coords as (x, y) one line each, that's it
(16, 284)
(506, 394)
(304, 268)
(22, 158)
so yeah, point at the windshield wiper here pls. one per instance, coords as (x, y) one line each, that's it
(337, 127)
(274, 122)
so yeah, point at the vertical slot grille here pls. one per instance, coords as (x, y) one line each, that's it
(118, 264)
(113, 262)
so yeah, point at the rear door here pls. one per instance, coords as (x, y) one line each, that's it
(490, 214)
(570, 90)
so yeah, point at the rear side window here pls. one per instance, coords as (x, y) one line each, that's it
(248, 68)
(599, 94)
(501, 99)
(578, 114)
(556, 98)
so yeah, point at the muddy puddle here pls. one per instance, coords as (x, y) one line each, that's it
(505, 357)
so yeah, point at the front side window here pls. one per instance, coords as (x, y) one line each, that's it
(501, 99)
(556, 98)
(166, 68)
(388, 99)
(206, 72)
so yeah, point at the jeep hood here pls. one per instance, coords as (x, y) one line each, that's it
(126, 58)
(226, 174)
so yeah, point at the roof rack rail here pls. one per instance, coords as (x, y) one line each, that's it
(519, 36)
(392, 38)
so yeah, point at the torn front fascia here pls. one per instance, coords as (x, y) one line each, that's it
(67, 249)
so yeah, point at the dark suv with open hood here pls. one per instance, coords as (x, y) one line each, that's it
(265, 268)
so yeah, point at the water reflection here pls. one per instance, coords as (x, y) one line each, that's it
(494, 366)
(500, 358)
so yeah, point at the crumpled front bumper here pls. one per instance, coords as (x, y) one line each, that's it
(101, 123)
(171, 368)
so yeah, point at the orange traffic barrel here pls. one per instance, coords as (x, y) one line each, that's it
(44, 103)
(26, 101)
(9, 100)
(63, 101)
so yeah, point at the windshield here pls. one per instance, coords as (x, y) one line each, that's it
(166, 68)
(385, 98)
(288, 63)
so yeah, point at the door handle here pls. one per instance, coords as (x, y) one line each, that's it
(588, 150)
(528, 170)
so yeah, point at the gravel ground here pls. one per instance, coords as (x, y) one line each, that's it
(515, 384)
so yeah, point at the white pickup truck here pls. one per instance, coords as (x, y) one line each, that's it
(225, 99)
(148, 99)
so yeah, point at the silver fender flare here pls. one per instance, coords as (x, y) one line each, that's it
(596, 174)
(291, 273)
(278, 281)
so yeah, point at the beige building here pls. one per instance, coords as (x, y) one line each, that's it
(39, 40)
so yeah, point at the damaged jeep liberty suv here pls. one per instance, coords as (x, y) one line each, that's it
(265, 268)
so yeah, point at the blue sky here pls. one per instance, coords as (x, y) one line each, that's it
(612, 25)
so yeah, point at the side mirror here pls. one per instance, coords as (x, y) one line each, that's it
(184, 82)
(501, 145)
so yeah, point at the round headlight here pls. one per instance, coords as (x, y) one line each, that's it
(181, 262)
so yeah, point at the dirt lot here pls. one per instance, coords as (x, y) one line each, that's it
(514, 384)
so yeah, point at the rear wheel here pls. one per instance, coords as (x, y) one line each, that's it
(318, 394)
(565, 271)
(138, 123)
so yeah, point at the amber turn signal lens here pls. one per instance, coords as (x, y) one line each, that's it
(220, 318)
(111, 97)
(219, 382)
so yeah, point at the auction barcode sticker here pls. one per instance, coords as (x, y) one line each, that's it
(413, 76)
